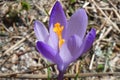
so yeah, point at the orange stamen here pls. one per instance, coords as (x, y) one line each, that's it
(58, 30)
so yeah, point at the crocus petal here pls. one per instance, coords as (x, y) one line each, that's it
(89, 39)
(65, 56)
(57, 16)
(74, 44)
(87, 43)
(46, 51)
(77, 24)
(53, 41)
(40, 31)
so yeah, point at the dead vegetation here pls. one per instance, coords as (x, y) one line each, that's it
(19, 60)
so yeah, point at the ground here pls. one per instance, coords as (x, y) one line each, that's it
(18, 54)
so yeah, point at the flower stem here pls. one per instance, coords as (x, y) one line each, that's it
(61, 75)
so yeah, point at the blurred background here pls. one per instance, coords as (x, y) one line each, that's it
(18, 54)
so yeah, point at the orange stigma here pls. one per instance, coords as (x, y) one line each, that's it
(58, 30)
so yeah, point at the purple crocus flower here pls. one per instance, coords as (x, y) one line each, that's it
(65, 41)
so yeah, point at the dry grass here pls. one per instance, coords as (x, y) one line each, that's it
(19, 58)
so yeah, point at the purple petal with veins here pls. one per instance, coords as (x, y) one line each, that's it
(77, 24)
(41, 31)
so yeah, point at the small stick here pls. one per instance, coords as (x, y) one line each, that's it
(92, 60)
(5, 27)
(114, 25)
(38, 76)
(18, 43)
(15, 28)
(91, 8)
(117, 14)
(112, 4)
(108, 31)
(104, 23)
(30, 71)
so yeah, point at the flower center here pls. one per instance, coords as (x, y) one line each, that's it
(58, 30)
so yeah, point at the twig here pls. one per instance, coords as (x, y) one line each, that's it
(104, 34)
(86, 4)
(104, 23)
(38, 76)
(91, 8)
(5, 27)
(15, 28)
(108, 31)
(91, 63)
(31, 71)
(112, 4)
(18, 43)
(117, 14)
(114, 25)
